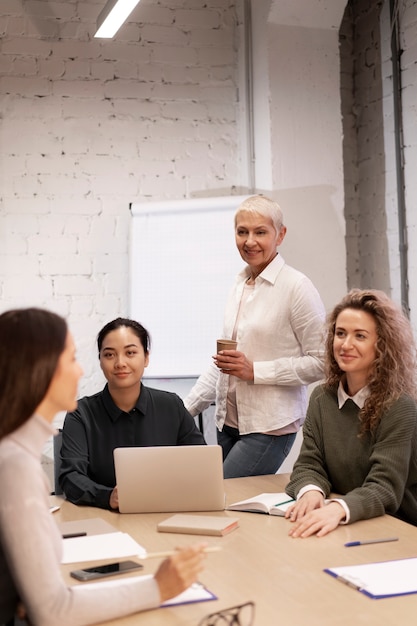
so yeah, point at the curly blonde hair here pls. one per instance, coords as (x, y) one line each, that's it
(394, 371)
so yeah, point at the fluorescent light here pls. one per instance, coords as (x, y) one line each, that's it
(112, 17)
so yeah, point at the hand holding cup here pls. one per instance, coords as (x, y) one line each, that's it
(237, 363)
(226, 344)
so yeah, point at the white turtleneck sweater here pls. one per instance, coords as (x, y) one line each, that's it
(31, 547)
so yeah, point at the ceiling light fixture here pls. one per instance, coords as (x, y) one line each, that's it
(112, 17)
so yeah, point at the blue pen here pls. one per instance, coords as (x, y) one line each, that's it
(365, 542)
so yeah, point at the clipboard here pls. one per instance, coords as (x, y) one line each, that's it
(384, 579)
(196, 593)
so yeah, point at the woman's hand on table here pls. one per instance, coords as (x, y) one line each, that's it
(311, 516)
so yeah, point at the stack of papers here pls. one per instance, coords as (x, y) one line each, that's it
(98, 547)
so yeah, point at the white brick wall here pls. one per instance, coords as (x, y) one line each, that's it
(408, 20)
(370, 165)
(89, 126)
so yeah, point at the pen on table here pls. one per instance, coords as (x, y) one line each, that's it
(349, 583)
(366, 542)
(72, 535)
(166, 553)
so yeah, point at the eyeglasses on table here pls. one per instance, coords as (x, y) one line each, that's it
(241, 615)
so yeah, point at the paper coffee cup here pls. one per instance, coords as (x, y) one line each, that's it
(226, 344)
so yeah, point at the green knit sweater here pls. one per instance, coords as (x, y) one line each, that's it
(373, 475)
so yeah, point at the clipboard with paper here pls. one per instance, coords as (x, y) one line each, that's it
(383, 579)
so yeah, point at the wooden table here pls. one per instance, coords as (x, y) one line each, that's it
(259, 562)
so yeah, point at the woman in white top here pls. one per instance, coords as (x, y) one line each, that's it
(39, 375)
(277, 317)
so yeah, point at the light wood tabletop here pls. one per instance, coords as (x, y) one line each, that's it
(260, 562)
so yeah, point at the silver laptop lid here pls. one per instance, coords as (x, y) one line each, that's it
(162, 479)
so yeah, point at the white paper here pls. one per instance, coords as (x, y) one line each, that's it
(196, 593)
(96, 547)
(387, 578)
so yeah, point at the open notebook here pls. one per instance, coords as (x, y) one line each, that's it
(166, 479)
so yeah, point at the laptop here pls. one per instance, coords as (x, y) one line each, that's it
(163, 479)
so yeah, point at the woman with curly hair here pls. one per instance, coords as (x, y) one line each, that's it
(360, 434)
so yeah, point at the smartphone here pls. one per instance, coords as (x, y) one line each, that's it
(110, 569)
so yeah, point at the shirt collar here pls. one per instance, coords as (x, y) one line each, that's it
(270, 272)
(359, 398)
(114, 411)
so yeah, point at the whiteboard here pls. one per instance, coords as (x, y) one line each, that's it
(183, 262)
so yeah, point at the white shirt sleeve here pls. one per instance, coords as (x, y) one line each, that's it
(342, 503)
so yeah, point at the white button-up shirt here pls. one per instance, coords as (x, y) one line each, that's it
(280, 329)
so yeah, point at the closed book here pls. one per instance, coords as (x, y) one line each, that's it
(198, 525)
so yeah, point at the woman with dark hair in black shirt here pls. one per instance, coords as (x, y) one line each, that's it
(125, 413)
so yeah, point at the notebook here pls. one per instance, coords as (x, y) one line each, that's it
(165, 479)
(198, 524)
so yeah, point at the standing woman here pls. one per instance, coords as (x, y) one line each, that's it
(39, 375)
(360, 434)
(276, 315)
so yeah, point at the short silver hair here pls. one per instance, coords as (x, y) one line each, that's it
(265, 207)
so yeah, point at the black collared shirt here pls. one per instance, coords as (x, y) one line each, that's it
(97, 426)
